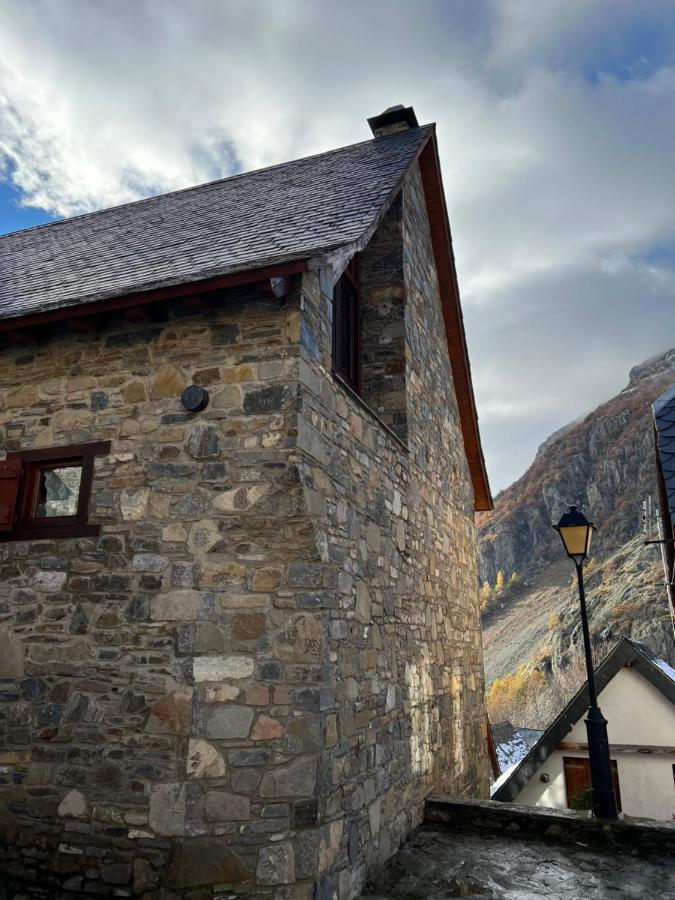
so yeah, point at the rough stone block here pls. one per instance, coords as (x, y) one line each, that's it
(276, 864)
(248, 626)
(11, 653)
(74, 805)
(176, 606)
(241, 499)
(301, 638)
(133, 503)
(266, 729)
(222, 668)
(172, 714)
(223, 807)
(229, 722)
(295, 780)
(204, 535)
(168, 382)
(204, 442)
(204, 760)
(167, 809)
(207, 860)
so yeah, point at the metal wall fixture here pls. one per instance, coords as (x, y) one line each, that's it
(195, 398)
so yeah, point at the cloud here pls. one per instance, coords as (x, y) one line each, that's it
(556, 130)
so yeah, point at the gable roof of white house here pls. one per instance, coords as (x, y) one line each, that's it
(626, 653)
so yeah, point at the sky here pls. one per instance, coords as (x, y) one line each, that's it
(556, 126)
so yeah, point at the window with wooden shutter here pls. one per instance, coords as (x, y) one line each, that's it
(45, 493)
(10, 479)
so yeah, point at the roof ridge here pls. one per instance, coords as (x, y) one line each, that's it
(206, 184)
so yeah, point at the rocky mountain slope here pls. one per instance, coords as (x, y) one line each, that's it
(604, 462)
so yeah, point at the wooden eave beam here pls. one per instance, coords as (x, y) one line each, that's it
(430, 169)
(128, 301)
(647, 749)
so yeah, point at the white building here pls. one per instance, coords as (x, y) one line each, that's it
(636, 692)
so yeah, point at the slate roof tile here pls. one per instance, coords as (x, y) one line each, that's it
(292, 211)
(664, 419)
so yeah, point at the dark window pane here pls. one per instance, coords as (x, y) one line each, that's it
(346, 326)
(58, 491)
(344, 331)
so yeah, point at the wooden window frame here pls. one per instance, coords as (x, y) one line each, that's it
(352, 374)
(28, 526)
(570, 762)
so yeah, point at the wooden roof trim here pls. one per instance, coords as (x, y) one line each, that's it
(441, 239)
(111, 304)
(492, 749)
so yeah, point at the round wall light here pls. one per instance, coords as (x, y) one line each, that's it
(195, 398)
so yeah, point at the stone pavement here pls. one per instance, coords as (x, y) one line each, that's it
(436, 864)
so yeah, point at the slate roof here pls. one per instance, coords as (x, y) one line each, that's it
(513, 744)
(626, 652)
(292, 211)
(664, 420)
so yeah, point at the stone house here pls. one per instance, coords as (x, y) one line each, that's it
(239, 617)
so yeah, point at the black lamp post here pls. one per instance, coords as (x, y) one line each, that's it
(576, 531)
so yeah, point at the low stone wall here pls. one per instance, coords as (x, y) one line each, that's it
(561, 826)
(490, 849)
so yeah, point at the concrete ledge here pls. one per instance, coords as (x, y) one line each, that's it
(561, 826)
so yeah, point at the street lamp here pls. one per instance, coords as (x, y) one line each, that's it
(576, 532)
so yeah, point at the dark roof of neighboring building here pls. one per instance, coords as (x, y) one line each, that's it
(626, 653)
(664, 421)
(513, 744)
(295, 210)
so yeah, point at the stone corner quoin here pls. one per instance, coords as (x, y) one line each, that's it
(271, 654)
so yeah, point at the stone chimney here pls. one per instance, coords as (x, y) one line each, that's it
(396, 118)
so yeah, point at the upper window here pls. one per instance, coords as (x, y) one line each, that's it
(45, 493)
(347, 327)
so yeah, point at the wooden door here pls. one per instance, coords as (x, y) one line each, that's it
(578, 782)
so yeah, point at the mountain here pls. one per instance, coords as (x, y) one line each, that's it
(604, 462)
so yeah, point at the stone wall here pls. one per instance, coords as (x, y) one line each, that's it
(158, 688)
(394, 524)
(271, 654)
(383, 342)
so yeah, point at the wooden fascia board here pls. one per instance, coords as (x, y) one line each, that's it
(492, 749)
(645, 749)
(95, 307)
(439, 224)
